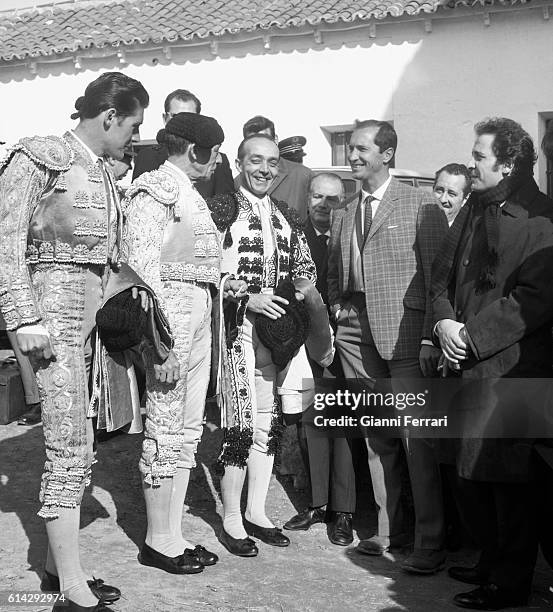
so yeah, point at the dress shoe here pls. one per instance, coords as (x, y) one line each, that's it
(203, 555)
(469, 575)
(241, 547)
(270, 535)
(104, 592)
(340, 531)
(424, 561)
(490, 597)
(70, 606)
(32, 416)
(378, 545)
(305, 519)
(187, 563)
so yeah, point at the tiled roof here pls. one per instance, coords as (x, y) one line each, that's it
(73, 26)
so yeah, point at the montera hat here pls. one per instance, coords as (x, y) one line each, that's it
(199, 129)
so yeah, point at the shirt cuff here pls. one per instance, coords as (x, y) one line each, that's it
(35, 328)
(426, 342)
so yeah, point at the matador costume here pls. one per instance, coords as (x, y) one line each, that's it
(59, 233)
(263, 243)
(171, 241)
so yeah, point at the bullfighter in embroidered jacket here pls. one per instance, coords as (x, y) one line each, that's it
(59, 233)
(172, 242)
(263, 243)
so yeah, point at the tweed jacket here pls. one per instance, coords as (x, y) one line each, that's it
(397, 256)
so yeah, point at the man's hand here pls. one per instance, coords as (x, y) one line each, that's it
(267, 305)
(38, 342)
(144, 298)
(453, 347)
(234, 288)
(429, 358)
(169, 371)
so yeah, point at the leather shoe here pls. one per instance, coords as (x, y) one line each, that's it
(104, 592)
(241, 547)
(32, 416)
(424, 561)
(305, 519)
(202, 555)
(340, 531)
(70, 606)
(378, 545)
(270, 535)
(490, 597)
(469, 575)
(182, 564)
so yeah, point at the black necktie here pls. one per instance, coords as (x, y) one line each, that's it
(368, 216)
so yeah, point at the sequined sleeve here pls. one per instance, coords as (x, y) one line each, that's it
(22, 183)
(302, 262)
(143, 235)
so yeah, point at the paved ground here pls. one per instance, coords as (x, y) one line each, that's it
(310, 575)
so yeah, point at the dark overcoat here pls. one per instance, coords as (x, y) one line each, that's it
(509, 327)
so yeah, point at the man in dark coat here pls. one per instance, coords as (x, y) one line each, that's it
(492, 295)
(329, 461)
(151, 158)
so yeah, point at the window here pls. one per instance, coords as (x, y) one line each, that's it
(549, 171)
(338, 137)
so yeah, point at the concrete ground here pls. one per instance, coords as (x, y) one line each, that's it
(310, 575)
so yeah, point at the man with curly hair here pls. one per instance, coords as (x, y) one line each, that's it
(492, 302)
(263, 244)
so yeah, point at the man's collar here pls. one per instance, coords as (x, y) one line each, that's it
(176, 170)
(253, 199)
(93, 155)
(319, 233)
(378, 193)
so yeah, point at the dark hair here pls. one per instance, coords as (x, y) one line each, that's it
(385, 137)
(456, 170)
(111, 90)
(256, 124)
(184, 96)
(242, 145)
(176, 145)
(511, 143)
(547, 142)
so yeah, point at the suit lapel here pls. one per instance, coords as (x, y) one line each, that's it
(384, 209)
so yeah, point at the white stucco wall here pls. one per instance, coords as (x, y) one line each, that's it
(434, 86)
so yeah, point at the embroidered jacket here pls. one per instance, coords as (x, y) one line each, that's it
(169, 234)
(53, 208)
(240, 227)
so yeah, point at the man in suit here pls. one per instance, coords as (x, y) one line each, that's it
(292, 182)
(328, 460)
(492, 309)
(151, 158)
(381, 250)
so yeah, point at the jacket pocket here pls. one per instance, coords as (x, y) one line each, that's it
(416, 302)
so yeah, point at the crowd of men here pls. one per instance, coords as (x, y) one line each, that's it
(254, 287)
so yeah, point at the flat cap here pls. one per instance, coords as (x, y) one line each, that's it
(292, 144)
(201, 130)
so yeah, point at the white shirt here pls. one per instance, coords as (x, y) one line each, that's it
(377, 195)
(263, 208)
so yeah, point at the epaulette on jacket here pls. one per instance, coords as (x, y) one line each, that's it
(224, 210)
(50, 152)
(294, 220)
(158, 184)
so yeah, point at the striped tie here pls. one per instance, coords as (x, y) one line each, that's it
(368, 219)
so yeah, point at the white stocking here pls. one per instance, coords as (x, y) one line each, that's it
(260, 468)
(158, 536)
(178, 495)
(232, 484)
(63, 543)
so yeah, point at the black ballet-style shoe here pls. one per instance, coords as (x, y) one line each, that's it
(70, 606)
(270, 535)
(204, 556)
(187, 563)
(241, 547)
(104, 592)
